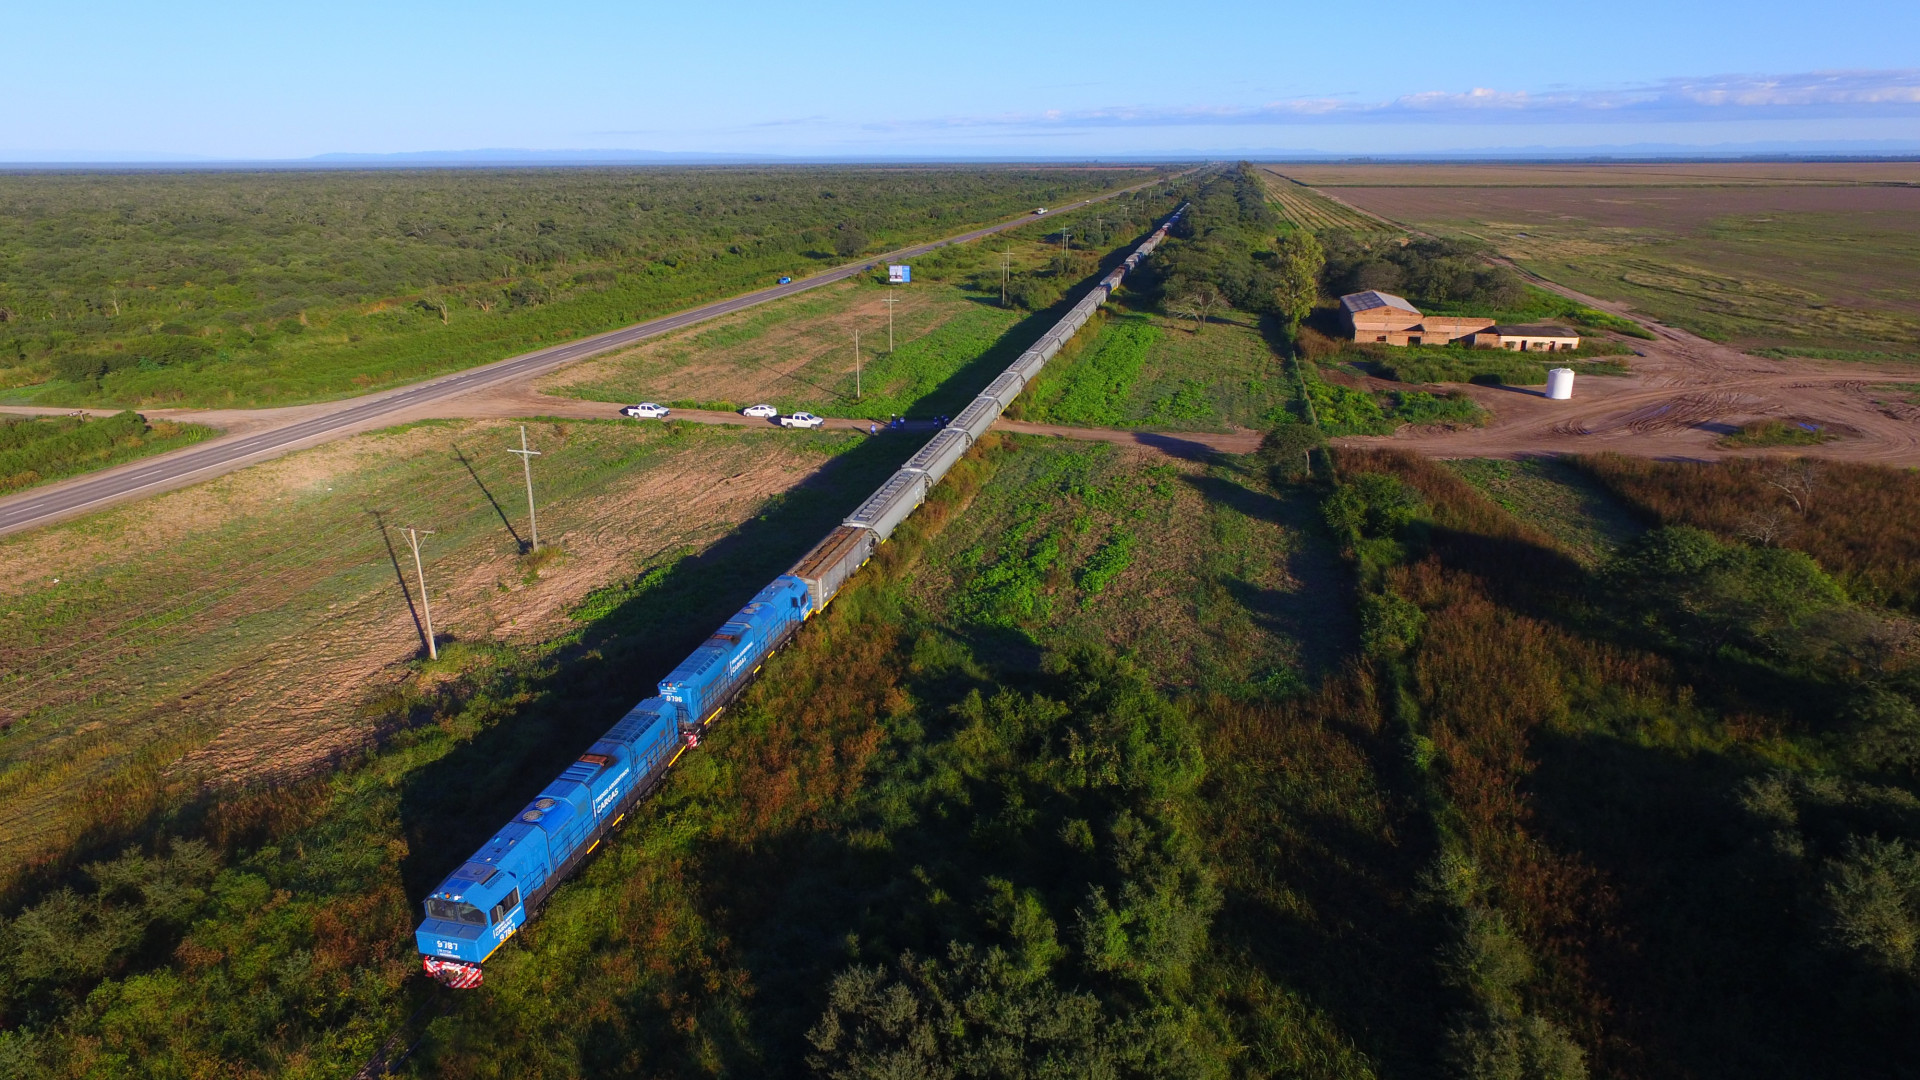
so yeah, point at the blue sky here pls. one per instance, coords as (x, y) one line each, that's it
(289, 80)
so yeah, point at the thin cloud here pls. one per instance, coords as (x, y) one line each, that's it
(1808, 95)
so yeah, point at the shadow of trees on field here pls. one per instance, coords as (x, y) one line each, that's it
(1317, 613)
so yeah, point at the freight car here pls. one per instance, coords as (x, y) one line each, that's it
(493, 894)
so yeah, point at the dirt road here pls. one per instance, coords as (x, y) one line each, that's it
(508, 402)
(1684, 395)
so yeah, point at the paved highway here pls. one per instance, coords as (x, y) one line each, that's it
(181, 467)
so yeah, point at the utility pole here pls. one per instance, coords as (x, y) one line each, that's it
(1066, 240)
(526, 466)
(889, 301)
(1006, 272)
(856, 365)
(420, 575)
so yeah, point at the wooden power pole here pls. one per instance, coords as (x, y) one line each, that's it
(526, 466)
(420, 575)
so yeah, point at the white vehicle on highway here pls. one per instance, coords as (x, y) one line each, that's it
(1039, 210)
(646, 410)
(765, 412)
(801, 420)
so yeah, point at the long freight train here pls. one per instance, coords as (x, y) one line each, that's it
(484, 902)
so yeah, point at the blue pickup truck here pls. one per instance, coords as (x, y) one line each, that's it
(785, 281)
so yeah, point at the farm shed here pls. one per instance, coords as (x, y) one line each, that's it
(1537, 337)
(1386, 319)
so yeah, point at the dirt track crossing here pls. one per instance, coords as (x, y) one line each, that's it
(1686, 393)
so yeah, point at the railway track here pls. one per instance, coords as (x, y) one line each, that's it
(499, 888)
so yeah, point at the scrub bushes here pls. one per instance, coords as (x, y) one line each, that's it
(36, 450)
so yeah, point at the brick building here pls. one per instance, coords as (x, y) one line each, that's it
(1385, 319)
(1538, 337)
(1389, 320)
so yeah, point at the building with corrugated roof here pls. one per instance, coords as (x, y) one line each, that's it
(1386, 319)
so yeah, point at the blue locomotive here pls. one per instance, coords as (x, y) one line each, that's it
(493, 894)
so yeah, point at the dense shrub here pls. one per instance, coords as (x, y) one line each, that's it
(47, 448)
(1426, 271)
(1861, 523)
(1223, 246)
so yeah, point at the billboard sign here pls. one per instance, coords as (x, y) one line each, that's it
(899, 275)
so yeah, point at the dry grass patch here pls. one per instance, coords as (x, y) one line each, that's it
(258, 610)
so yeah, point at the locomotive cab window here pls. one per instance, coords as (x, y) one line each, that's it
(456, 912)
(501, 909)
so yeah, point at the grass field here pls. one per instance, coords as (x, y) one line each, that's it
(798, 353)
(237, 289)
(1137, 368)
(36, 450)
(264, 608)
(1821, 268)
(1208, 577)
(1588, 521)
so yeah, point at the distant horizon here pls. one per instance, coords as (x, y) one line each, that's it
(1852, 150)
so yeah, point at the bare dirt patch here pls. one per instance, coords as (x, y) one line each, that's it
(1625, 175)
(1674, 209)
(1684, 395)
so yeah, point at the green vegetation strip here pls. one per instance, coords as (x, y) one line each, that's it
(254, 289)
(36, 450)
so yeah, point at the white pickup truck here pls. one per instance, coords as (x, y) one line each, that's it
(801, 420)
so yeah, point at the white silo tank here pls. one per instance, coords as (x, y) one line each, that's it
(1560, 383)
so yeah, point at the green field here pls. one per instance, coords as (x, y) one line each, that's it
(1729, 279)
(1206, 576)
(1139, 369)
(1589, 522)
(1305, 208)
(36, 450)
(223, 289)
